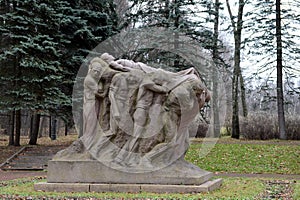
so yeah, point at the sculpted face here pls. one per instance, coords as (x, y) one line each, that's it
(203, 96)
(96, 69)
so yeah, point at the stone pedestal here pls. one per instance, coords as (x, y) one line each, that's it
(92, 175)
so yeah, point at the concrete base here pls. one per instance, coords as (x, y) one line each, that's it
(92, 171)
(132, 188)
(93, 176)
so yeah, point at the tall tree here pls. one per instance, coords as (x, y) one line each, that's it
(215, 73)
(237, 74)
(177, 15)
(275, 23)
(34, 51)
(90, 22)
(280, 99)
(46, 42)
(34, 130)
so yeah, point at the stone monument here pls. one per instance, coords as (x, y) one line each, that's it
(135, 132)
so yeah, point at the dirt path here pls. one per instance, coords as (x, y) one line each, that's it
(243, 141)
(268, 176)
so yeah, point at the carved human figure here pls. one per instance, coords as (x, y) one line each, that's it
(183, 105)
(112, 63)
(151, 84)
(91, 92)
(144, 112)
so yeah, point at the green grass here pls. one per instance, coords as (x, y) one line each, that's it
(248, 158)
(296, 190)
(239, 158)
(232, 188)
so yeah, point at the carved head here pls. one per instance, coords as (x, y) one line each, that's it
(95, 70)
(201, 92)
(107, 57)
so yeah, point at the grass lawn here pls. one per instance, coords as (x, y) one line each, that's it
(248, 158)
(297, 190)
(232, 188)
(237, 156)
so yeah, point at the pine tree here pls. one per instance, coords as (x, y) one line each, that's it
(275, 24)
(86, 24)
(33, 50)
(176, 15)
(46, 42)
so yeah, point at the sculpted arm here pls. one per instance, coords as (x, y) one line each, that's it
(93, 87)
(128, 64)
(115, 65)
(150, 85)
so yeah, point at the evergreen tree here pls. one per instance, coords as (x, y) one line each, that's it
(261, 38)
(33, 55)
(89, 23)
(275, 24)
(177, 15)
(279, 66)
(5, 8)
(46, 42)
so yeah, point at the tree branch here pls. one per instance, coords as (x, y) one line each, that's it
(230, 15)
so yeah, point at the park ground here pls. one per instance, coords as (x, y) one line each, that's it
(250, 169)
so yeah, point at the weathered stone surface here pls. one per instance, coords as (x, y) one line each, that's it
(133, 188)
(181, 172)
(135, 131)
(66, 187)
(212, 185)
(136, 117)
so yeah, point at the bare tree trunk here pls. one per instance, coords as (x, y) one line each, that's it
(176, 36)
(11, 131)
(66, 128)
(243, 96)
(215, 73)
(235, 108)
(237, 27)
(26, 123)
(53, 130)
(35, 126)
(42, 126)
(228, 93)
(18, 128)
(280, 98)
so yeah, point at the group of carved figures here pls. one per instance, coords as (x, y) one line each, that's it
(136, 116)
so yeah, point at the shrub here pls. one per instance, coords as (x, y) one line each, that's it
(259, 126)
(293, 127)
(264, 126)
